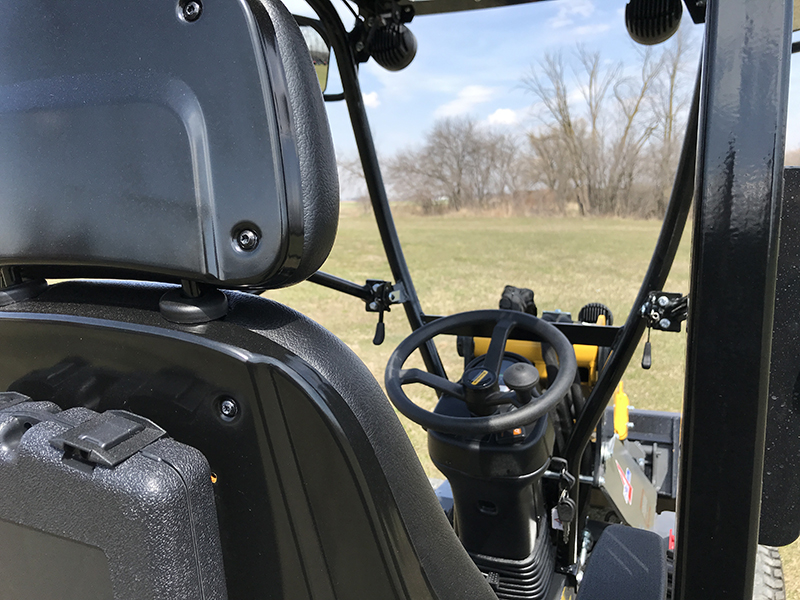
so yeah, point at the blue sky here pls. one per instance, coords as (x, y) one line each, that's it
(472, 63)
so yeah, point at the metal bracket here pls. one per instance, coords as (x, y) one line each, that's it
(665, 311)
(384, 294)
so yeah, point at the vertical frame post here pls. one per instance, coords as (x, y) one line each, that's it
(734, 258)
(348, 71)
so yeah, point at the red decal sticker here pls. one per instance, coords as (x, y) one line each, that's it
(627, 488)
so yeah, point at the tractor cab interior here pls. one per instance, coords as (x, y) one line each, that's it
(168, 433)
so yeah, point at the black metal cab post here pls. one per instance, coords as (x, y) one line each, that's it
(348, 70)
(740, 163)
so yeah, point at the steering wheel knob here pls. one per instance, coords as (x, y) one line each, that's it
(522, 378)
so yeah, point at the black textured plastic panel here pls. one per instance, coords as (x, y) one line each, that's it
(780, 493)
(133, 139)
(626, 564)
(527, 579)
(149, 524)
(62, 568)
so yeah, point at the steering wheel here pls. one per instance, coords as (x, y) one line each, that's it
(479, 387)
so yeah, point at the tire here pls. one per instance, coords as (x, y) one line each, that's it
(768, 583)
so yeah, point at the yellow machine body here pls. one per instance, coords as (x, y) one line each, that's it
(586, 356)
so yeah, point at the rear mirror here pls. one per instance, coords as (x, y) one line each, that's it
(317, 46)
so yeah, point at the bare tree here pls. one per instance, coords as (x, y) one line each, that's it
(669, 104)
(352, 183)
(560, 144)
(589, 143)
(460, 163)
(510, 179)
(635, 128)
(607, 140)
(439, 168)
(550, 164)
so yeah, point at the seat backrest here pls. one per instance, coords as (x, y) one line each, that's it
(137, 142)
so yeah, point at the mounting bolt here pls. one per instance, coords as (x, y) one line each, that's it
(664, 323)
(228, 408)
(373, 306)
(191, 10)
(607, 448)
(663, 301)
(359, 46)
(247, 239)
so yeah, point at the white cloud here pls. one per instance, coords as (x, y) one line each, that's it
(503, 116)
(413, 81)
(371, 100)
(578, 94)
(590, 30)
(468, 98)
(568, 11)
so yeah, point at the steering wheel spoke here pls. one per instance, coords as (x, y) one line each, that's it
(499, 398)
(440, 384)
(497, 345)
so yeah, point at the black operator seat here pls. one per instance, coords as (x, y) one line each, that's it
(167, 150)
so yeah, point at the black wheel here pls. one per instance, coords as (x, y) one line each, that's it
(768, 583)
(480, 389)
(769, 575)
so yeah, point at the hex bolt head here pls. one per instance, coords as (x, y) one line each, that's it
(247, 239)
(663, 301)
(665, 323)
(228, 408)
(191, 10)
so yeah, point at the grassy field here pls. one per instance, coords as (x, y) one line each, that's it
(462, 262)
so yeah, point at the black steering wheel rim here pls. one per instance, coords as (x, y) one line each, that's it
(474, 426)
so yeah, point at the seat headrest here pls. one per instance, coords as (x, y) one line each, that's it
(137, 142)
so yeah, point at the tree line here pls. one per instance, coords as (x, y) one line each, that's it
(605, 141)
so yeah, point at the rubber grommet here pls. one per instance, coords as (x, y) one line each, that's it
(176, 307)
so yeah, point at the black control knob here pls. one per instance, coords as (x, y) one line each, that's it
(521, 378)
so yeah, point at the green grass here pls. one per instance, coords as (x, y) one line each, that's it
(462, 262)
